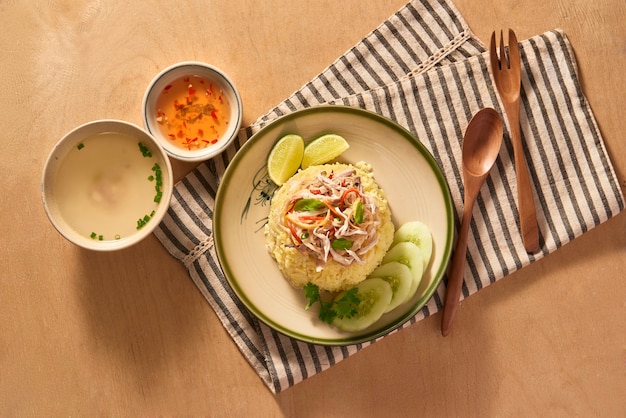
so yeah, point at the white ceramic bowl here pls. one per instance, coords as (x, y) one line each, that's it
(106, 185)
(193, 70)
(403, 167)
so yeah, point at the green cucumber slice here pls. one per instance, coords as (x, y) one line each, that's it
(411, 256)
(419, 234)
(375, 295)
(400, 277)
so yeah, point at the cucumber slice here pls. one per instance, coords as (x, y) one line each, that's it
(419, 234)
(400, 278)
(411, 256)
(375, 295)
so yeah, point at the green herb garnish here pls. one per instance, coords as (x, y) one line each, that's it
(344, 307)
(308, 205)
(158, 176)
(358, 212)
(341, 244)
(80, 146)
(145, 151)
(141, 222)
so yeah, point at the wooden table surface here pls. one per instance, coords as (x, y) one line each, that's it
(129, 334)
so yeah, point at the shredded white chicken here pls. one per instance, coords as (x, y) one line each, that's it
(331, 217)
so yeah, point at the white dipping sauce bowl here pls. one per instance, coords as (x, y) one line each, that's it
(177, 72)
(119, 185)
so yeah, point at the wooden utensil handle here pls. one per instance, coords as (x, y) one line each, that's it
(526, 203)
(455, 279)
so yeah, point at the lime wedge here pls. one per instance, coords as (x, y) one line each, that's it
(285, 158)
(323, 149)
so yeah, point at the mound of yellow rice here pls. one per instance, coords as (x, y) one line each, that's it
(320, 266)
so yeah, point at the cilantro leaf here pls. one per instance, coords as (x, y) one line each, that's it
(327, 313)
(344, 307)
(311, 292)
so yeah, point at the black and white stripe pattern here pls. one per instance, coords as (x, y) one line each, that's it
(424, 69)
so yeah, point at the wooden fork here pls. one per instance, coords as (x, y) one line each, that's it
(506, 73)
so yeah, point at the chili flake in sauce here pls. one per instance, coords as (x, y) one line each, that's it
(193, 112)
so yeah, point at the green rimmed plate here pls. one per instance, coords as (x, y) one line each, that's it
(415, 187)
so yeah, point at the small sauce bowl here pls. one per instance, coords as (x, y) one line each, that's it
(106, 185)
(193, 109)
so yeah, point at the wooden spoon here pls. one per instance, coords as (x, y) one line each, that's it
(481, 145)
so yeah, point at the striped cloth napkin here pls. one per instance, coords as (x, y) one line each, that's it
(425, 69)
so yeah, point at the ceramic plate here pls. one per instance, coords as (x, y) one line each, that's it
(404, 169)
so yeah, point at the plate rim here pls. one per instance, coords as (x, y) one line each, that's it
(437, 275)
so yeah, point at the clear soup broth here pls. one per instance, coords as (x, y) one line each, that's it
(108, 186)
